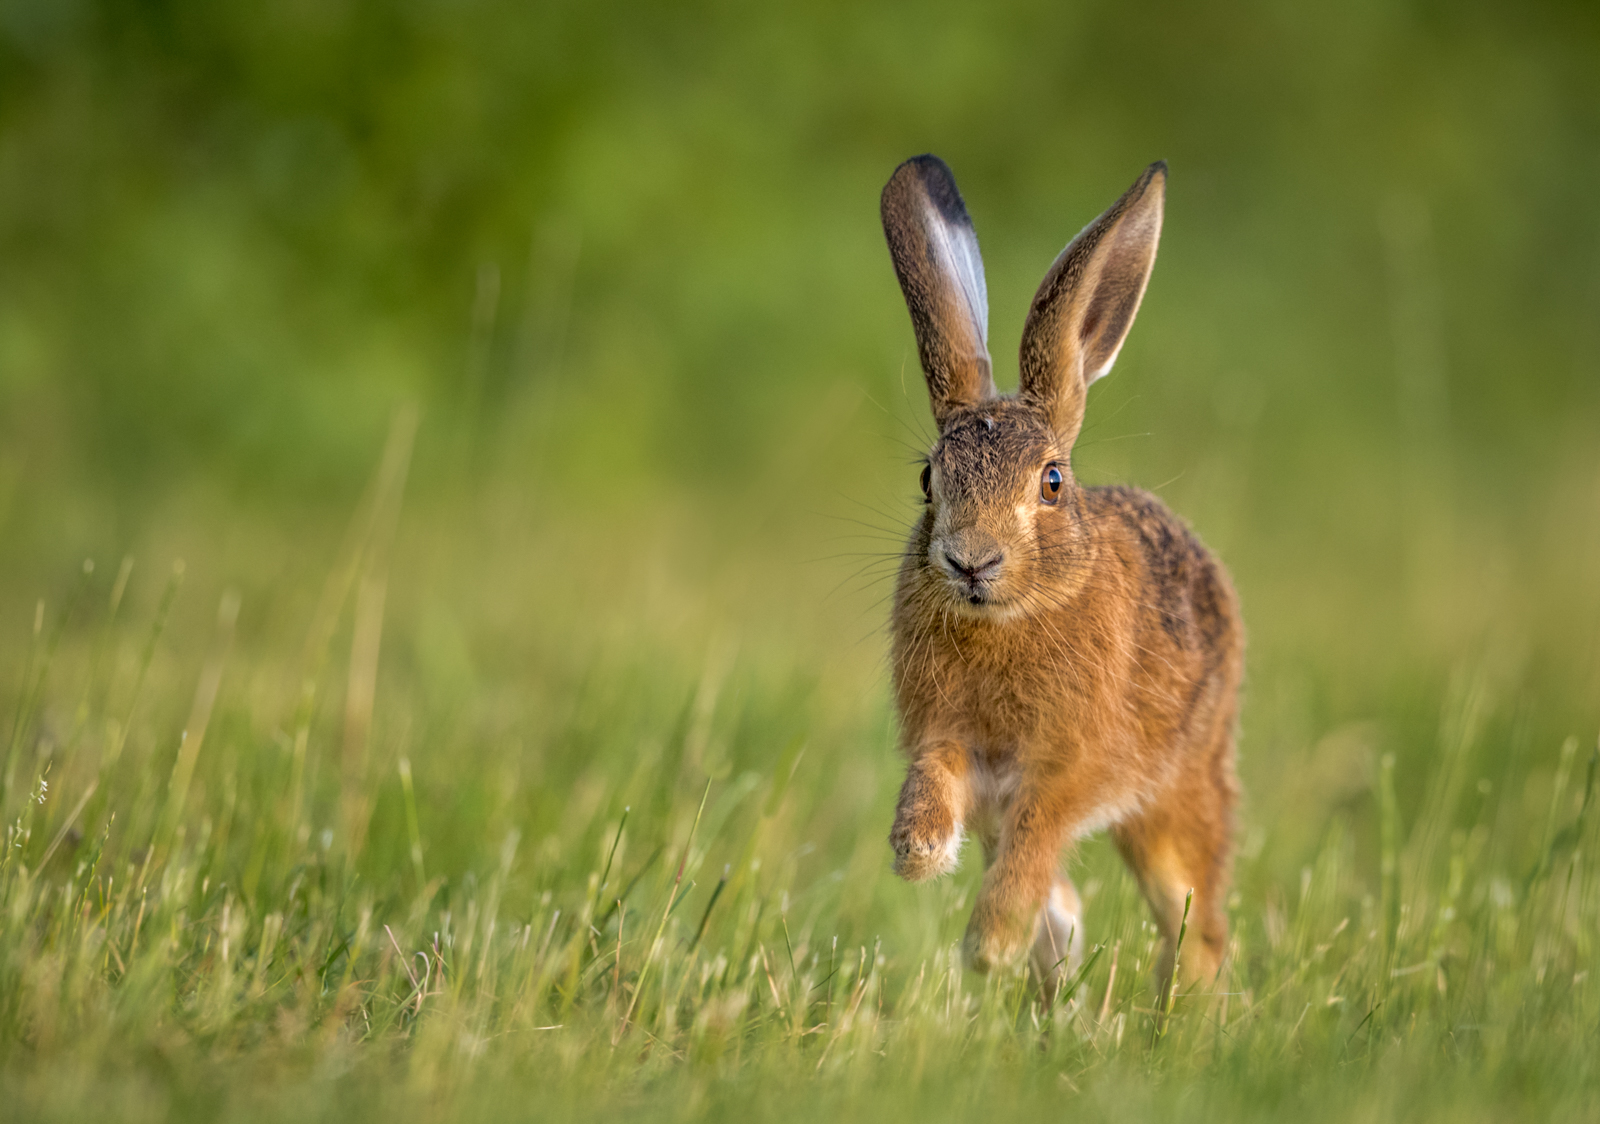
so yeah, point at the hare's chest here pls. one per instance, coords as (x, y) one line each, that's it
(1001, 707)
(994, 781)
(984, 692)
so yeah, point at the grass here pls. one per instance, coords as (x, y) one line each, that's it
(550, 774)
(244, 881)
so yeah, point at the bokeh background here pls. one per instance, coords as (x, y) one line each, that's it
(623, 262)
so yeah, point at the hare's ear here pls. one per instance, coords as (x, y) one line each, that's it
(935, 253)
(1084, 308)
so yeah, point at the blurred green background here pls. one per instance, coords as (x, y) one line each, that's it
(621, 265)
(625, 261)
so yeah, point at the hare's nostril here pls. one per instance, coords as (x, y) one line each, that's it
(987, 568)
(973, 571)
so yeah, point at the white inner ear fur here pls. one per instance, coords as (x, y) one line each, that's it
(957, 252)
(1105, 368)
(1137, 236)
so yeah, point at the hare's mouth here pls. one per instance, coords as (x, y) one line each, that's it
(975, 595)
(978, 595)
(988, 604)
(970, 580)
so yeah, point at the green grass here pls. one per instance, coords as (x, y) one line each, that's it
(248, 879)
(377, 807)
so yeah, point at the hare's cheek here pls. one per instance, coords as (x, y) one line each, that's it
(1025, 518)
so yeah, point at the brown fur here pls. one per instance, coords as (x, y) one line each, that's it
(1058, 667)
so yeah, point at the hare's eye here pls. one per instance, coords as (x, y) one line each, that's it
(1050, 484)
(927, 482)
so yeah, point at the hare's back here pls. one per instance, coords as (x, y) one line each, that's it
(1183, 597)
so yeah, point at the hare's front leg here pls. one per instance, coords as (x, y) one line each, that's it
(1005, 920)
(927, 831)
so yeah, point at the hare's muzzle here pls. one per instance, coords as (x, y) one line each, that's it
(972, 571)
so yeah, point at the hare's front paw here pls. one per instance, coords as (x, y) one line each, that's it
(926, 842)
(996, 937)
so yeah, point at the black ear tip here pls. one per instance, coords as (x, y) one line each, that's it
(928, 163)
(1158, 170)
(939, 183)
(925, 169)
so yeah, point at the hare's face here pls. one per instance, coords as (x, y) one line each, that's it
(1004, 534)
(1002, 512)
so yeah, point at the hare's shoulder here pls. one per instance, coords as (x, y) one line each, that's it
(1184, 582)
(1121, 514)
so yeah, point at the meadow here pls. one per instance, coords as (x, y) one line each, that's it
(453, 459)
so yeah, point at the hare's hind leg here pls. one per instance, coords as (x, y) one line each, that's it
(1058, 946)
(1180, 845)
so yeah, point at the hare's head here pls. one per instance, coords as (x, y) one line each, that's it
(1005, 518)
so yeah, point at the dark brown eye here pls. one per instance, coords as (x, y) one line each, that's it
(1050, 484)
(927, 482)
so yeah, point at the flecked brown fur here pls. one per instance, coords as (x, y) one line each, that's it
(1064, 666)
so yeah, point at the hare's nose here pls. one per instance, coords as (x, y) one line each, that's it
(970, 570)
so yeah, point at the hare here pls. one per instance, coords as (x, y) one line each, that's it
(1065, 659)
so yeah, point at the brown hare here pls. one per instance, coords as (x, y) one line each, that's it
(1065, 658)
